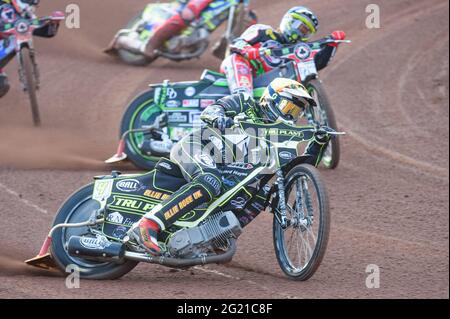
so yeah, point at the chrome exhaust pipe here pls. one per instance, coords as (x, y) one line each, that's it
(183, 263)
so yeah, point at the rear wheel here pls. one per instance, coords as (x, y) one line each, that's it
(28, 78)
(79, 208)
(324, 115)
(301, 246)
(141, 112)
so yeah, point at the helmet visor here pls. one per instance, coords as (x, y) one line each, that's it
(304, 31)
(290, 109)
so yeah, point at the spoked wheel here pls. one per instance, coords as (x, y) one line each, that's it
(324, 115)
(28, 75)
(301, 246)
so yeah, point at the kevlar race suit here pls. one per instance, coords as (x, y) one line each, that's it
(202, 161)
(247, 62)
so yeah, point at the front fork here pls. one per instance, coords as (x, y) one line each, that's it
(35, 69)
(281, 211)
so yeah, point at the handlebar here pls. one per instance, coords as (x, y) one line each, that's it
(319, 130)
(280, 52)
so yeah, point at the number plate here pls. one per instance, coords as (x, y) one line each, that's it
(306, 68)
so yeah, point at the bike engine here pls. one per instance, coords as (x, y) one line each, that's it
(212, 234)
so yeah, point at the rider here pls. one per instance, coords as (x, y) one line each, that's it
(251, 53)
(190, 10)
(283, 101)
(10, 11)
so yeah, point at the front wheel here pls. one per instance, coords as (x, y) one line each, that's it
(301, 246)
(28, 77)
(324, 115)
(79, 208)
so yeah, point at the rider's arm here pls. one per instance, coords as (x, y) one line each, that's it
(324, 56)
(228, 107)
(249, 43)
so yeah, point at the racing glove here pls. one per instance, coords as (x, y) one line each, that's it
(222, 123)
(337, 35)
(252, 53)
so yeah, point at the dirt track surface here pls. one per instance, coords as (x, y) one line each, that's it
(389, 197)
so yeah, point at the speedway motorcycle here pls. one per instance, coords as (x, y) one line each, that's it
(183, 102)
(90, 229)
(192, 42)
(18, 42)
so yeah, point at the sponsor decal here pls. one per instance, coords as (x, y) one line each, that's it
(205, 160)
(102, 189)
(8, 15)
(190, 91)
(120, 232)
(156, 195)
(191, 103)
(205, 103)
(99, 242)
(234, 172)
(177, 118)
(228, 182)
(238, 202)
(182, 204)
(242, 69)
(284, 132)
(195, 118)
(115, 217)
(258, 206)
(128, 185)
(165, 165)
(171, 94)
(121, 202)
(286, 155)
(302, 51)
(173, 103)
(237, 165)
(244, 81)
(211, 180)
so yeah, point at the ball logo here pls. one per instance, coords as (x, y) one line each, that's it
(286, 155)
(190, 91)
(94, 243)
(128, 185)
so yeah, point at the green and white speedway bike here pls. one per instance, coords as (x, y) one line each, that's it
(90, 228)
(192, 42)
